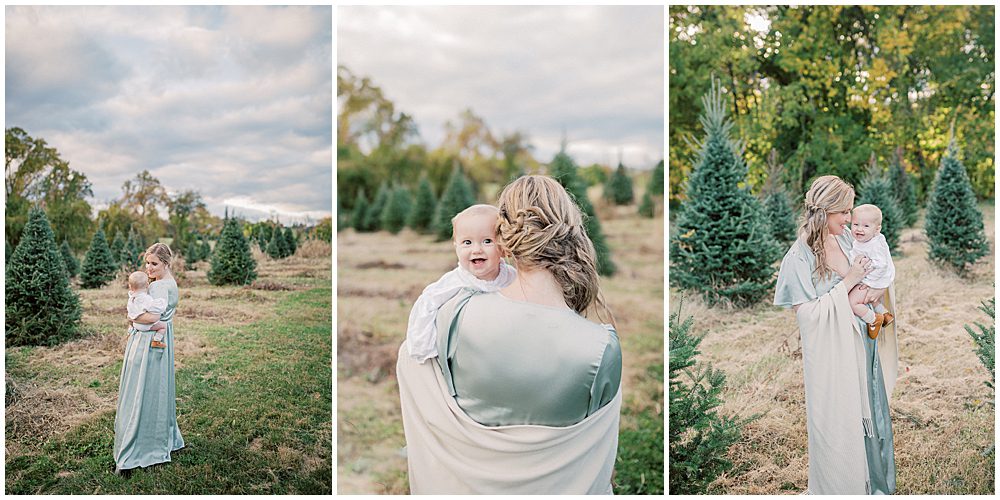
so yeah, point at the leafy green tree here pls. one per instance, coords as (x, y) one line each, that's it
(457, 196)
(876, 189)
(359, 217)
(954, 224)
(323, 231)
(275, 246)
(232, 262)
(902, 188)
(397, 210)
(722, 248)
(72, 265)
(564, 169)
(422, 214)
(619, 187)
(118, 250)
(41, 307)
(699, 436)
(99, 265)
(290, 242)
(374, 215)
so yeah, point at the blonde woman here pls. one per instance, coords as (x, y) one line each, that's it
(848, 376)
(524, 397)
(146, 429)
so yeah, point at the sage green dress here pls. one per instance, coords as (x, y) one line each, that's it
(146, 429)
(797, 284)
(508, 362)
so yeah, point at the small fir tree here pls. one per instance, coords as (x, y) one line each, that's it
(374, 215)
(396, 211)
(422, 214)
(273, 249)
(902, 188)
(41, 307)
(99, 266)
(656, 181)
(290, 244)
(954, 224)
(72, 265)
(457, 196)
(876, 189)
(232, 262)
(206, 250)
(647, 208)
(564, 169)
(359, 217)
(618, 189)
(118, 250)
(985, 339)
(699, 436)
(722, 248)
(777, 208)
(279, 235)
(135, 249)
(192, 253)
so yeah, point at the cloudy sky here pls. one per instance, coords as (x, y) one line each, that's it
(234, 102)
(596, 72)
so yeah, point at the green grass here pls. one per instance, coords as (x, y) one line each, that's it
(255, 417)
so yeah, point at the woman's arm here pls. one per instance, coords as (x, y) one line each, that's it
(859, 268)
(146, 317)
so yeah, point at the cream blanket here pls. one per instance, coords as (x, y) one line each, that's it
(837, 408)
(449, 453)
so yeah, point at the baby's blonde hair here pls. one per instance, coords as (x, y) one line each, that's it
(870, 209)
(138, 280)
(480, 209)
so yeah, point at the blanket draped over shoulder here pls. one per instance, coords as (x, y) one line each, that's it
(449, 453)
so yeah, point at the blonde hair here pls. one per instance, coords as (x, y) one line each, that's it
(871, 209)
(161, 251)
(138, 280)
(827, 194)
(480, 209)
(540, 227)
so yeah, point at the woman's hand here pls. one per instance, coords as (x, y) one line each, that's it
(872, 295)
(859, 269)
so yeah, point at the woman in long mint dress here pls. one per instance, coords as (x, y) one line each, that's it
(146, 429)
(849, 377)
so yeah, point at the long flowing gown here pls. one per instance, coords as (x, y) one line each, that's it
(798, 284)
(146, 429)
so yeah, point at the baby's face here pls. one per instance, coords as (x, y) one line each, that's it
(475, 245)
(864, 226)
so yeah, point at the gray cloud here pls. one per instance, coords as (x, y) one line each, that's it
(595, 71)
(232, 101)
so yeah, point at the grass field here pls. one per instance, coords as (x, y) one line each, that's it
(379, 278)
(942, 415)
(253, 373)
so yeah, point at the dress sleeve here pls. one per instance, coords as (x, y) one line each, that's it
(795, 285)
(159, 292)
(884, 271)
(609, 374)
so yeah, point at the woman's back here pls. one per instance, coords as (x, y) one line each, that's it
(509, 362)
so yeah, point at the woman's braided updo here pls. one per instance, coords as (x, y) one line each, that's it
(542, 228)
(827, 194)
(161, 251)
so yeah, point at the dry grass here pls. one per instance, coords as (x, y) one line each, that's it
(940, 423)
(379, 278)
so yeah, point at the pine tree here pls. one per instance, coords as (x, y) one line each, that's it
(778, 211)
(99, 266)
(423, 207)
(8, 251)
(206, 250)
(618, 189)
(722, 248)
(359, 216)
(985, 339)
(656, 181)
(290, 244)
(647, 208)
(118, 251)
(699, 437)
(41, 307)
(902, 188)
(954, 224)
(135, 248)
(232, 262)
(564, 169)
(397, 210)
(373, 219)
(876, 189)
(457, 196)
(72, 265)
(192, 254)
(274, 247)
(279, 235)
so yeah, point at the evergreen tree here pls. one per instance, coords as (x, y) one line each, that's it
(422, 214)
(781, 219)
(279, 235)
(192, 253)
(374, 216)
(985, 339)
(647, 208)
(72, 265)
(99, 266)
(206, 250)
(902, 188)
(876, 189)
(8, 251)
(274, 247)
(954, 224)
(359, 217)
(564, 169)
(135, 248)
(290, 244)
(397, 210)
(618, 189)
(41, 307)
(457, 196)
(232, 262)
(699, 436)
(118, 250)
(656, 181)
(722, 248)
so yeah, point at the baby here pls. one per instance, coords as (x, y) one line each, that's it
(868, 241)
(479, 267)
(140, 301)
